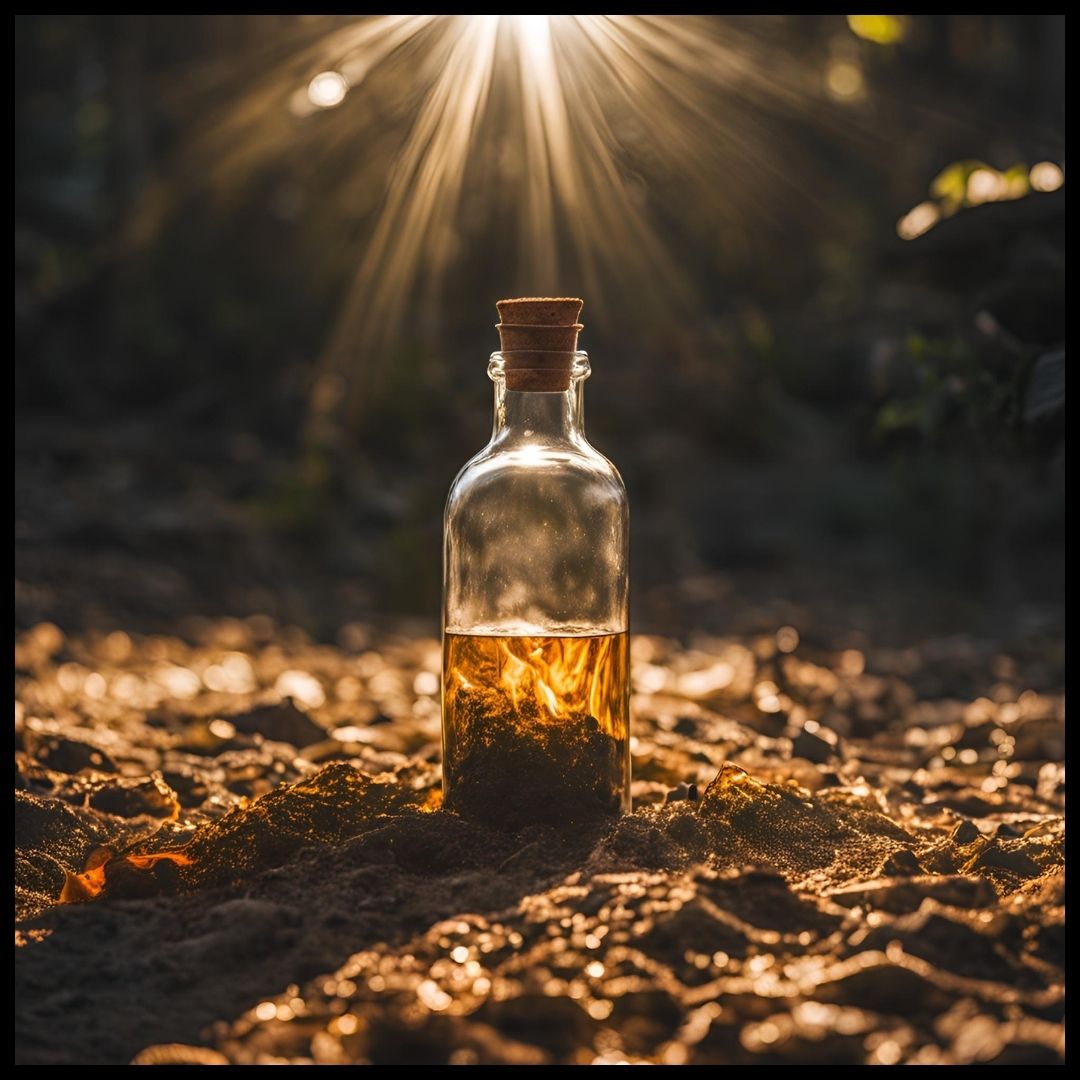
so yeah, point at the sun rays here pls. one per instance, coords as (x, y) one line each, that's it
(576, 140)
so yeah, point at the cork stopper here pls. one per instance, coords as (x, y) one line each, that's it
(538, 337)
(557, 338)
(540, 310)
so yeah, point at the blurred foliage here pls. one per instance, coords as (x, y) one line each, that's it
(953, 396)
(880, 29)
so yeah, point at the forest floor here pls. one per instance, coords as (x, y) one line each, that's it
(839, 853)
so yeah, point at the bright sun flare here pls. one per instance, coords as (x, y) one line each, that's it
(578, 133)
(533, 31)
(543, 90)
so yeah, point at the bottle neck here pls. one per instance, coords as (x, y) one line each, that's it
(530, 416)
(537, 416)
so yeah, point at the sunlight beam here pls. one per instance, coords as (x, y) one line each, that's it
(576, 139)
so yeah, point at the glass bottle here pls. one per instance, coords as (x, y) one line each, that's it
(535, 590)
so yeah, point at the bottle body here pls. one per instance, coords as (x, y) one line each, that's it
(536, 655)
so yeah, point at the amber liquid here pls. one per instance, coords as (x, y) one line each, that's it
(536, 729)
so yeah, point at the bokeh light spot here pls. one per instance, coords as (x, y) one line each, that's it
(986, 185)
(844, 80)
(1046, 176)
(327, 90)
(918, 220)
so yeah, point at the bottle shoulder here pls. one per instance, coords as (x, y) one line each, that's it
(499, 465)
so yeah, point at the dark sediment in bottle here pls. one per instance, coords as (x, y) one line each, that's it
(536, 728)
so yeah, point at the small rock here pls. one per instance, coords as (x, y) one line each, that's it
(281, 723)
(130, 798)
(966, 832)
(67, 755)
(1007, 859)
(190, 786)
(902, 863)
(814, 742)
